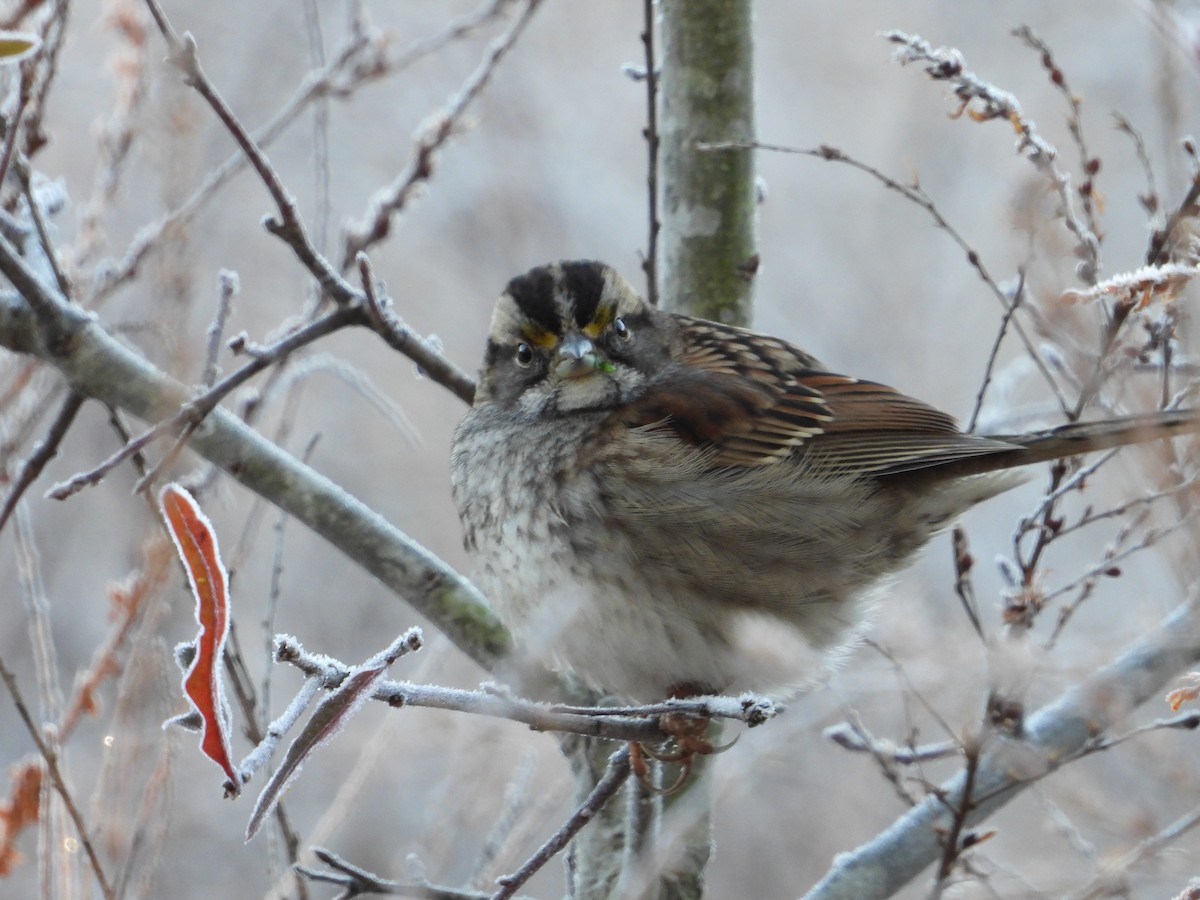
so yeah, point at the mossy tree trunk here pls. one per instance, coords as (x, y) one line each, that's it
(709, 253)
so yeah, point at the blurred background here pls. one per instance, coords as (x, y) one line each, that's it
(550, 164)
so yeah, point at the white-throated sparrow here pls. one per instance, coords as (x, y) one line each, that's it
(667, 505)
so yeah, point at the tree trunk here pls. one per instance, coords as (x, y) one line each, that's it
(708, 215)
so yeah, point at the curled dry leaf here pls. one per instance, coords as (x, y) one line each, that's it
(1143, 285)
(19, 812)
(1190, 690)
(196, 542)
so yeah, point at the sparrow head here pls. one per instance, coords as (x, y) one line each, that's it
(568, 337)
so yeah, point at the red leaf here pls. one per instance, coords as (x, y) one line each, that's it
(202, 682)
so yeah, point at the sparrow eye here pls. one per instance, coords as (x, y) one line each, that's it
(621, 329)
(524, 355)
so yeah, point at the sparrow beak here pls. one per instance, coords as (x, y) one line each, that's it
(576, 357)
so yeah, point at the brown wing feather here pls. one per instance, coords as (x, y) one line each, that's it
(755, 400)
(878, 430)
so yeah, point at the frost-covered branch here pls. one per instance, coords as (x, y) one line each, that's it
(1054, 736)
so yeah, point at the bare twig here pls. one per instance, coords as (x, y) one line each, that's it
(53, 34)
(363, 58)
(1052, 737)
(638, 723)
(315, 85)
(263, 738)
(41, 323)
(1089, 166)
(357, 881)
(1018, 295)
(117, 133)
(889, 756)
(963, 562)
(1091, 516)
(985, 102)
(191, 414)
(33, 204)
(1149, 200)
(960, 808)
(227, 288)
(1044, 523)
(387, 202)
(1160, 248)
(914, 193)
(45, 451)
(1188, 721)
(50, 755)
(289, 226)
(1112, 882)
(12, 124)
(605, 789)
(911, 689)
(849, 736)
(650, 263)
(382, 317)
(1107, 567)
(454, 30)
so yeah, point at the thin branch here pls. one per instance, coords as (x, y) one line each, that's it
(1089, 166)
(1112, 882)
(45, 451)
(1052, 737)
(12, 125)
(914, 193)
(315, 85)
(50, 755)
(357, 881)
(1149, 200)
(960, 808)
(963, 587)
(984, 102)
(889, 756)
(40, 322)
(639, 723)
(363, 58)
(387, 202)
(34, 206)
(116, 134)
(605, 789)
(189, 416)
(1018, 296)
(1115, 553)
(289, 226)
(227, 288)
(53, 34)
(1090, 517)
(1188, 721)
(848, 736)
(650, 263)
(1159, 252)
(382, 317)
(911, 689)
